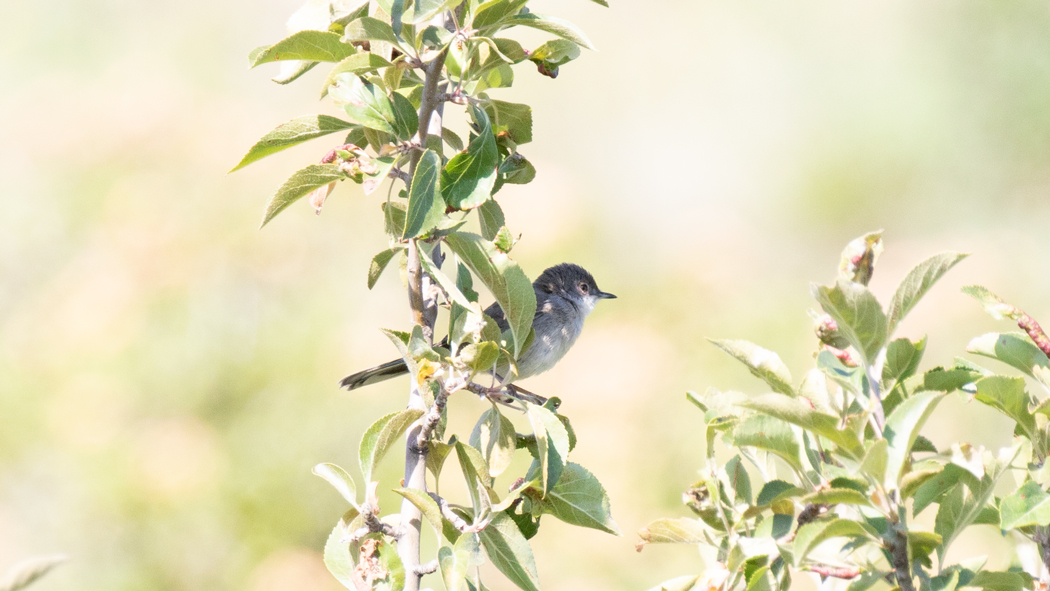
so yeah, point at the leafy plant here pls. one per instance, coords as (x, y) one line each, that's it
(828, 474)
(394, 67)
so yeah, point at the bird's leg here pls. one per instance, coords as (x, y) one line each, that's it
(507, 394)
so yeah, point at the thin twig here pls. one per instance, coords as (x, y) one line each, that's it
(450, 515)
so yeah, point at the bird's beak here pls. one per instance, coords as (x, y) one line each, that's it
(603, 295)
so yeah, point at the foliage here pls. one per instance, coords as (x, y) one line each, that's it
(394, 69)
(829, 474)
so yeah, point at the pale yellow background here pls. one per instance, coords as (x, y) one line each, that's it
(168, 372)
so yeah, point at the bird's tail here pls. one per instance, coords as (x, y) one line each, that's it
(379, 373)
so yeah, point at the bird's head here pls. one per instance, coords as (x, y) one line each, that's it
(572, 282)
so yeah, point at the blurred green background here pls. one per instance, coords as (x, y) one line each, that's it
(168, 372)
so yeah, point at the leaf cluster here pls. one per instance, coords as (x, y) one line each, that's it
(828, 474)
(395, 69)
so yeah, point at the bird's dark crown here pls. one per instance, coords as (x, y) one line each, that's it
(565, 278)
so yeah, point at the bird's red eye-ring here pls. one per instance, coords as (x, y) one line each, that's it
(584, 288)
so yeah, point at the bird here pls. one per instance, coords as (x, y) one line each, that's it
(565, 294)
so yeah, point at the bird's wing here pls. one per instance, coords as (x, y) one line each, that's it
(496, 312)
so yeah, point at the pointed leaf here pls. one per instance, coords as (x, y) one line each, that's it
(469, 176)
(426, 10)
(359, 63)
(1009, 396)
(552, 25)
(494, 435)
(673, 531)
(1013, 349)
(300, 184)
(993, 304)
(552, 444)
(425, 204)
(364, 103)
(512, 119)
(338, 478)
(902, 359)
(368, 28)
(508, 284)
(379, 262)
(901, 430)
(579, 499)
(381, 435)
(1028, 505)
(918, 281)
(292, 133)
(490, 214)
(406, 121)
(426, 505)
(769, 434)
(812, 534)
(763, 363)
(314, 46)
(456, 561)
(858, 314)
(795, 412)
(509, 551)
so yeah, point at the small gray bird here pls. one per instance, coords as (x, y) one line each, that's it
(565, 295)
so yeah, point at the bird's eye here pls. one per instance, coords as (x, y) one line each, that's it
(584, 288)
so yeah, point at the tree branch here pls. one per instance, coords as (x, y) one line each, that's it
(423, 314)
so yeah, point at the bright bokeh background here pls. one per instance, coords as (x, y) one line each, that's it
(168, 371)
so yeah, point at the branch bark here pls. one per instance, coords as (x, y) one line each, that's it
(423, 313)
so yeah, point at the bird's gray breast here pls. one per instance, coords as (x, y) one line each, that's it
(557, 323)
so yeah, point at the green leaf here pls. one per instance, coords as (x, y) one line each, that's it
(456, 561)
(381, 435)
(902, 360)
(859, 317)
(1013, 349)
(875, 460)
(508, 284)
(993, 304)
(426, 505)
(300, 184)
(314, 46)
(812, 534)
(512, 119)
(406, 121)
(494, 435)
(1028, 505)
(775, 490)
(379, 263)
(338, 478)
(901, 430)
(763, 363)
(948, 380)
(579, 499)
(425, 204)
(426, 10)
(918, 281)
(509, 551)
(835, 496)
(739, 480)
(672, 531)
(552, 445)
(1001, 581)
(795, 412)
(292, 133)
(552, 25)
(494, 12)
(950, 514)
(469, 176)
(475, 470)
(356, 64)
(364, 103)
(769, 434)
(337, 552)
(515, 170)
(367, 28)
(943, 480)
(490, 214)
(556, 52)
(1009, 396)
